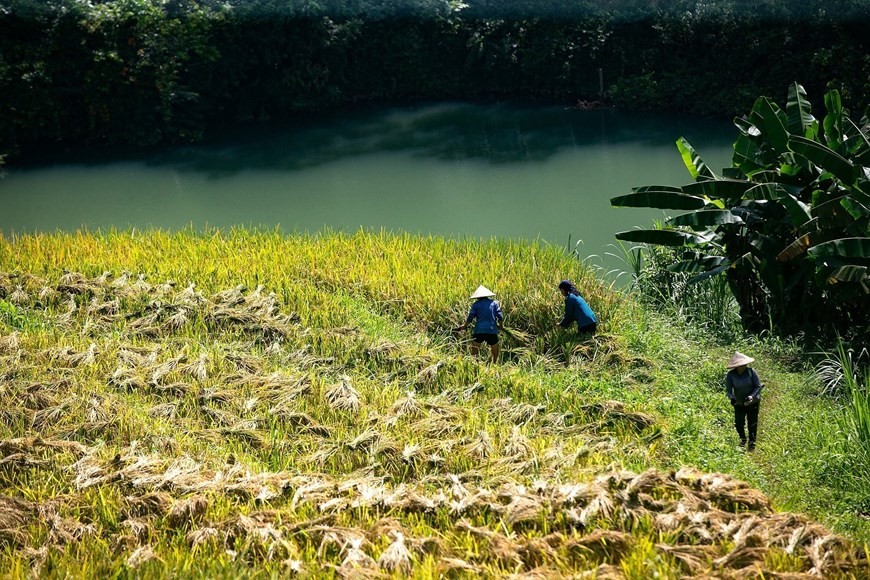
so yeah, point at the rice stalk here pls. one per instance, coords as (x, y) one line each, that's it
(10, 343)
(396, 557)
(137, 532)
(342, 396)
(481, 447)
(197, 369)
(407, 406)
(151, 503)
(187, 512)
(165, 410)
(140, 556)
(19, 296)
(204, 535)
(176, 321)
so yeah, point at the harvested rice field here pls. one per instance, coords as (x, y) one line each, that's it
(251, 404)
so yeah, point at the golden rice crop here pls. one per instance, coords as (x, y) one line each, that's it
(242, 403)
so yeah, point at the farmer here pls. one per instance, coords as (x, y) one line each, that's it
(577, 310)
(743, 388)
(488, 317)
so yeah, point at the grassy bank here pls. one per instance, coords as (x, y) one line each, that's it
(251, 404)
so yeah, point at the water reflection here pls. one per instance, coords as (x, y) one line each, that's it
(497, 134)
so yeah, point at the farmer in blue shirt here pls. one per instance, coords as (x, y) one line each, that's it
(488, 316)
(743, 388)
(576, 310)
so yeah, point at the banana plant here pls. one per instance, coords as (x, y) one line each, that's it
(788, 222)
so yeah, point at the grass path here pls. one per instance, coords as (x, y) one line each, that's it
(801, 462)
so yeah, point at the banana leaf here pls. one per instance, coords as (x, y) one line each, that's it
(746, 127)
(795, 249)
(855, 208)
(702, 264)
(799, 110)
(833, 121)
(709, 273)
(826, 158)
(860, 148)
(765, 176)
(704, 218)
(832, 214)
(644, 188)
(730, 189)
(658, 198)
(762, 191)
(797, 210)
(849, 274)
(733, 173)
(745, 259)
(693, 162)
(659, 237)
(852, 250)
(768, 117)
(810, 227)
(746, 156)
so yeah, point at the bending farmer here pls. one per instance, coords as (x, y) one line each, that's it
(488, 316)
(576, 310)
(743, 388)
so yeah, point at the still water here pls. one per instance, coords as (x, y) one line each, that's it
(454, 169)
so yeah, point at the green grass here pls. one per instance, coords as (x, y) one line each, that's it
(323, 417)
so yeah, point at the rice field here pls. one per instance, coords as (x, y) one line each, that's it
(251, 404)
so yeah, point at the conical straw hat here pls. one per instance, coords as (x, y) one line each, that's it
(738, 360)
(482, 292)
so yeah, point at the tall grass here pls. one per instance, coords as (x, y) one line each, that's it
(708, 304)
(858, 393)
(846, 375)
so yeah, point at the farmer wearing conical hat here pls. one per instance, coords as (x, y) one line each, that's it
(488, 316)
(743, 388)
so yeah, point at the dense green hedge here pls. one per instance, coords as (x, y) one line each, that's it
(144, 72)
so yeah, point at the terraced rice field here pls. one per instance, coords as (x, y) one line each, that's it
(247, 404)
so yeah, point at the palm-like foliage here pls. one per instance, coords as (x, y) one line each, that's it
(788, 223)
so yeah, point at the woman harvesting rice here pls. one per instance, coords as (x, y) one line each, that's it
(576, 310)
(488, 316)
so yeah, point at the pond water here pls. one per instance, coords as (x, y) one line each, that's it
(451, 169)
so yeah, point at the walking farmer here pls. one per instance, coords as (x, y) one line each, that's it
(743, 388)
(488, 316)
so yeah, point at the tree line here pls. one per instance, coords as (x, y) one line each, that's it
(152, 72)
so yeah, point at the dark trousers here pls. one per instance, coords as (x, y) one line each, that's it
(588, 329)
(746, 415)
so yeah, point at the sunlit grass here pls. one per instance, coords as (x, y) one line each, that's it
(245, 403)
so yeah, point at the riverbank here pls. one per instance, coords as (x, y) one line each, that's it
(248, 403)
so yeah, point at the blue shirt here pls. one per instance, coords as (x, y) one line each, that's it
(577, 310)
(740, 386)
(487, 312)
